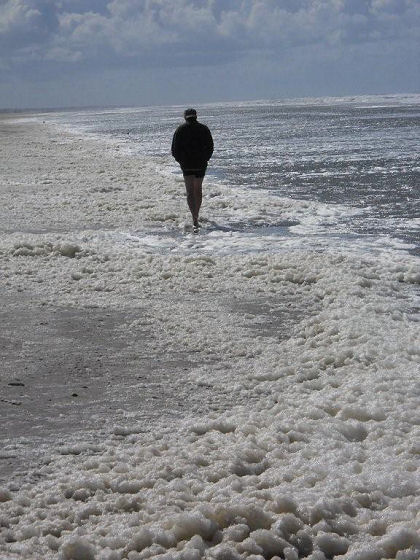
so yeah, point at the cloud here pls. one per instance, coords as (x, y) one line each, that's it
(26, 21)
(252, 46)
(183, 31)
(26, 29)
(17, 16)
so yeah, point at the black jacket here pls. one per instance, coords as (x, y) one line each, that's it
(192, 145)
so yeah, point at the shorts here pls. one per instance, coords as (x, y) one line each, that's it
(198, 173)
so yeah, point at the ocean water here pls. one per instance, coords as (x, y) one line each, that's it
(353, 161)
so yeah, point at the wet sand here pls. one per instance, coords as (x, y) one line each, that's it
(191, 386)
(72, 369)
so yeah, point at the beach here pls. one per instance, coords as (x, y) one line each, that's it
(68, 374)
(165, 395)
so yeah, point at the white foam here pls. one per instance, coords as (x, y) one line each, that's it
(316, 454)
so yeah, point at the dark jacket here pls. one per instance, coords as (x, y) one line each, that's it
(192, 145)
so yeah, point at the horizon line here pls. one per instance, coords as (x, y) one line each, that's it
(15, 110)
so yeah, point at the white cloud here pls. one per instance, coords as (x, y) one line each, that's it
(61, 54)
(169, 27)
(25, 24)
(343, 40)
(17, 15)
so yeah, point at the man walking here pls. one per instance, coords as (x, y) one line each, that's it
(192, 147)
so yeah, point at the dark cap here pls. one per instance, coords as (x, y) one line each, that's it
(190, 114)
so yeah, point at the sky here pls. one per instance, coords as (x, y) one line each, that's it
(152, 52)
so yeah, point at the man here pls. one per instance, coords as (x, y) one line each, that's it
(192, 147)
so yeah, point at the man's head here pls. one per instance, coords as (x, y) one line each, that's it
(190, 115)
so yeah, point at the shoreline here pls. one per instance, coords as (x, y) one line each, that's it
(55, 349)
(243, 403)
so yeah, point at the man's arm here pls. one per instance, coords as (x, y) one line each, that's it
(175, 147)
(210, 144)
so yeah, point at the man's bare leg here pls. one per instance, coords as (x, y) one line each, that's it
(189, 185)
(193, 186)
(198, 197)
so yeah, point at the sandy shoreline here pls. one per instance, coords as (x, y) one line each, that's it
(73, 367)
(230, 404)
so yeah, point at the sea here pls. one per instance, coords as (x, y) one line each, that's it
(350, 165)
